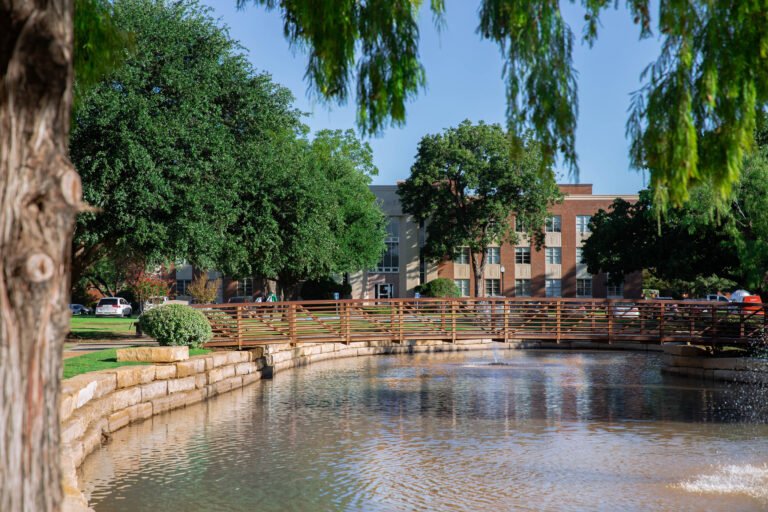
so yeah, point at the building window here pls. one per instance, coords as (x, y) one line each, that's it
(553, 224)
(181, 286)
(553, 287)
(554, 255)
(463, 286)
(580, 256)
(584, 287)
(492, 287)
(520, 226)
(522, 287)
(461, 256)
(493, 255)
(523, 255)
(582, 223)
(245, 287)
(390, 261)
(614, 291)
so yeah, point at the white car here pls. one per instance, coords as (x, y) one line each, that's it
(625, 310)
(113, 306)
(153, 302)
(79, 309)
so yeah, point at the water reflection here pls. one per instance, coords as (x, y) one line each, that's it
(546, 431)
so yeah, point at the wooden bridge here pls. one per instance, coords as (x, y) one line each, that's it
(501, 319)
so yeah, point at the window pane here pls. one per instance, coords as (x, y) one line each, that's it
(584, 287)
(522, 287)
(520, 225)
(552, 224)
(582, 223)
(553, 255)
(580, 256)
(461, 256)
(492, 287)
(553, 287)
(522, 254)
(493, 255)
(463, 286)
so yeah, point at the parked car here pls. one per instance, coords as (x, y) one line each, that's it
(113, 306)
(625, 310)
(153, 302)
(717, 297)
(239, 299)
(79, 309)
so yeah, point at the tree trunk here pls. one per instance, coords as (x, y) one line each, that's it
(39, 196)
(478, 269)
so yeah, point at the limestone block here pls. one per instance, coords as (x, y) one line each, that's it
(92, 436)
(245, 368)
(365, 351)
(251, 378)
(73, 429)
(118, 420)
(154, 390)
(153, 354)
(683, 350)
(227, 384)
(221, 373)
(177, 385)
(66, 407)
(165, 371)
(194, 396)
(139, 412)
(128, 376)
(191, 367)
(162, 404)
(201, 380)
(216, 360)
(77, 453)
(125, 398)
(256, 353)
(721, 363)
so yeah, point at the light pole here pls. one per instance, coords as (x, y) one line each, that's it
(502, 281)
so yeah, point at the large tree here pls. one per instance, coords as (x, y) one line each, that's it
(167, 142)
(467, 183)
(690, 243)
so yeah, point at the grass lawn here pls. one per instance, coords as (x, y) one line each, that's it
(104, 360)
(93, 328)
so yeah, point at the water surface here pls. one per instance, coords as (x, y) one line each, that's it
(560, 431)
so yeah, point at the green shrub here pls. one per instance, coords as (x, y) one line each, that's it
(176, 324)
(440, 287)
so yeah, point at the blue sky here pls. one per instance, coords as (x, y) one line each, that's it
(464, 82)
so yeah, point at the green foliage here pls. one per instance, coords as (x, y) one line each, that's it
(692, 242)
(699, 287)
(176, 324)
(440, 287)
(691, 122)
(167, 143)
(467, 184)
(322, 289)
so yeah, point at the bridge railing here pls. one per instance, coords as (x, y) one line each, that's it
(503, 319)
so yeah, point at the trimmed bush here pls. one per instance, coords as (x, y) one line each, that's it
(440, 287)
(176, 324)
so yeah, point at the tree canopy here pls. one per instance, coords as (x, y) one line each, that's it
(694, 242)
(187, 153)
(466, 184)
(692, 119)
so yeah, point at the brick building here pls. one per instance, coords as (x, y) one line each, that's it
(519, 270)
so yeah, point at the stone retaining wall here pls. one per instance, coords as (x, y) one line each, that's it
(94, 405)
(693, 361)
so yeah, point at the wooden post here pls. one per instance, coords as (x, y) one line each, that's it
(609, 314)
(347, 322)
(453, 321)
(392, 310)
(505, 305)
(661, 322)
(239, 325)
(442, 316)
(400, 315)
(292, 323)
(714, 322)
(558, 312)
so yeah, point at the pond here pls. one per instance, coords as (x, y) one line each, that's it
(560, 431)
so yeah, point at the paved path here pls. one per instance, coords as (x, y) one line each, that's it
(78, 348)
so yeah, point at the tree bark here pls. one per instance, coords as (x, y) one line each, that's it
(478, 269)
(40, 194)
